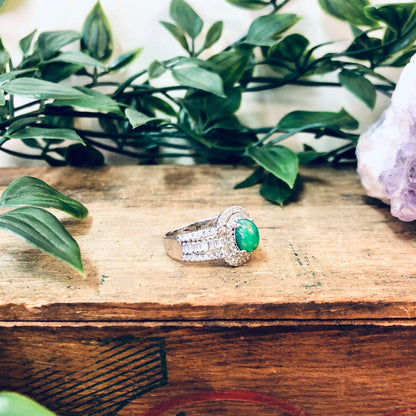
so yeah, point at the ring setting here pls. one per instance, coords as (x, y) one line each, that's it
(231, 237)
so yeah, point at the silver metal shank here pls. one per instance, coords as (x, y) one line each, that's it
(209, 240)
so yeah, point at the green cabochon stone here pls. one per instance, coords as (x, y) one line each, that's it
(247, 235)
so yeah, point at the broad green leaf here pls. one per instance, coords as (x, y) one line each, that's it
(15, 404)
(278, 160)
(303, 120)
(155, 103)
(58, 71)
(360, 86)
(124, 59)
(92, 100)
(186, 18)
(351, 11)
(97, 39)
(136, 118)
(177, 33)
(76, 57)
(250, 4)
(200, 79)
(213, 34)
(37, 88)
(265, 29)
(43, 231)
(156, 69)
(26, 42)
(45, 133)
(51, 42)
(218, 107)
(365, 47)
(13, 74)
(29, 191)
(252, 179)
(276, 190)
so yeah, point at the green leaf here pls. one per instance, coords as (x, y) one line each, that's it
(13, 74)
(29, 191)
(51, 42)
(137, 118)
(265, 29)
(276, 190)
(351, 11)
(213, 34)
(186, 18)
(308, 155)
(302, 120)
(218, 107)
(26, 42)
(15, 404)
(76, 57)
(252, 179)
(43, 231)
(200, 79)
(80, 156)
(177, 33)
(156, 69)
(278, 160)
(124, 59)
(37, 88)
(45, 133)
(250, 4)
(97, 39)
(359, 85)
(92, 100)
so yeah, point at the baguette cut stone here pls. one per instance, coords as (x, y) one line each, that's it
(247, 235)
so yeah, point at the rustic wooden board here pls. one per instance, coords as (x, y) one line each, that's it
(210, 370)
(333, 254)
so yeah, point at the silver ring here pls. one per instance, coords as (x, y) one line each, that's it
(230, 237)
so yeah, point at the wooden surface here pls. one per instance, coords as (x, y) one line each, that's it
(333, 254)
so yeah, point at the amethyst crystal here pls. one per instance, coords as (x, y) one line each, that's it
(386, 152)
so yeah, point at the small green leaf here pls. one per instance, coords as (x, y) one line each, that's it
(359, 85)
(26, 42)
(15, 404)
(177, 33)
(51, 42)
(124, 59)
(29, 191)
(43, 231)
(265, 29)
(200, 79)
(38, 88)
(136, 118)
(45, 133)
(303, 120)
(156, 69)
(186, 18)
(351, 11)
(76, 57)
(251, 180)
(250, 4)
(213, 34)
(276, 190)
(278, 160)
(97, 40)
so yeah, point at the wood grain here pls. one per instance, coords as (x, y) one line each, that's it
(333, 254)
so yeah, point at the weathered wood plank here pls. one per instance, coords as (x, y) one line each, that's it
(334, 254)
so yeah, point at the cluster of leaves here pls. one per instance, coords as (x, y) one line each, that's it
(195, 115)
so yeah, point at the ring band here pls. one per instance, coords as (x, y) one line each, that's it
(231, 237)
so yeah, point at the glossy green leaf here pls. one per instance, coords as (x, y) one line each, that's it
(278, 160)
(26, 42)
(156, 69)
(275, 190)
(29, 191)
(38, 88)
(51, 42)
(76, 57)
(186, 18)
(13, 74)
(43, 231)
(15, 404)
(252, 179)
(317, 119)
(137, 118)
(250, 4)
(265, 29)
(219, 107)
(177, 33)
(45, 133)
(124, 59)
(351, 11)
(360, 86)
(200, 79)
(97, 39)
(213, 34)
